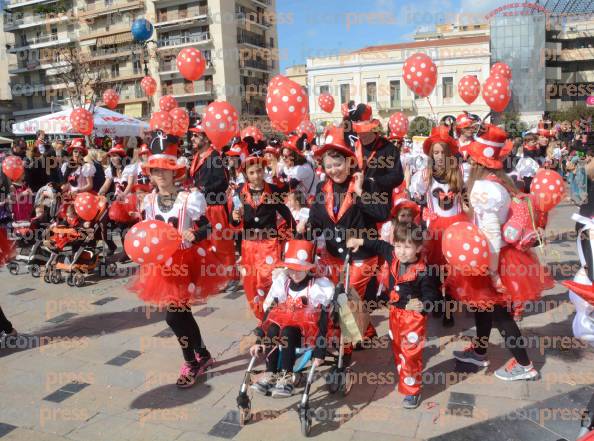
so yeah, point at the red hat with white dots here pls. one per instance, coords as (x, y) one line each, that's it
(299, 255)
(490, 146)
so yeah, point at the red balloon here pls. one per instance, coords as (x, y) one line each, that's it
(344, 109)
(191, 64)
(13, 167)
(220, 123)
(180, 121)
(326, 102)
(120, 210)
(111, 98)
(398, 125)
(149, 85)
(82, 121)
(161, 121)
(466, 248)
(307, 127)
(469, 88)
(502, 69)
(547, 189)
(286, 105)
(420, 74)
(497, 93)
(252, 131)
(167, 103)
(151, 241)
(86, 206)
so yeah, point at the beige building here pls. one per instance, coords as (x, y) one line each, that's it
(297, 73)
(374, 75)
(237, 37)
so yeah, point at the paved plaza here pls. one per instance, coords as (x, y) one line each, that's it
(93, 364)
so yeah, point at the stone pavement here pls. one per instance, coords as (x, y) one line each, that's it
(93, 364)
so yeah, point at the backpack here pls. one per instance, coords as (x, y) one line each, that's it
(520, 229)
(99, 177)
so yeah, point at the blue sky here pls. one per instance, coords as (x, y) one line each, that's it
(308, 28)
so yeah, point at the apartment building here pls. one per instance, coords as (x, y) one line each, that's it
(374, 75)
(237, 37)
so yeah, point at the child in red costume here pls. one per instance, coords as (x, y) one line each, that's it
(413, 291)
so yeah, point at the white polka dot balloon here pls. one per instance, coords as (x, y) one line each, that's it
(326, 102)
(286, 104)
(497, 93)
(191, 64)
(420, 74)
(466, 248)
(152, 242)
(469, 88)
(547, 189)
(220, 123)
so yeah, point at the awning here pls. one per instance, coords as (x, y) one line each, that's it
(121, 38)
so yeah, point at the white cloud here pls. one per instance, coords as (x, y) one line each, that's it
(483, 7)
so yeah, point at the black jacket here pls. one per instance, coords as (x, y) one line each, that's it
(211, 179)
(416, 281)
(383, 169)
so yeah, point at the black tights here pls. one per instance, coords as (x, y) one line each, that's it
(289, 339)
(183, 324)
(5, 324)
(508, 329)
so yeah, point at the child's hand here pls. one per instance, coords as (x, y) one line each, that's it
(498, 283)
(236, 215)
(358, 183)
(255, 350)
(414, 305)
(354, 243)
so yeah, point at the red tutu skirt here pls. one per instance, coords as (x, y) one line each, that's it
(304, 318)
(521, 273)
(435, 231)
(190, 275)
(7, 250)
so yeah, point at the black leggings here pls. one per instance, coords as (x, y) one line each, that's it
(183, 324)
(5, 324)
(508, 329)
(289, 339)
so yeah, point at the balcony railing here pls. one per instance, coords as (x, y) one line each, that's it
(178, 40)
(249, 19)
(107, 7)
(581, 54)
(193, 88)
(177, 14)
(109, 52)
(252, 38)
(263, 2)
(34, 19)
(171, 65)
(256, 64)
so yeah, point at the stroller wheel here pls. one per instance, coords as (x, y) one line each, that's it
(334, 380)
(305, 421)
(13, 268)
(56, 276)
(70, 280)
(47, 276)
(245, 414)
(35, 270)
(79, 280)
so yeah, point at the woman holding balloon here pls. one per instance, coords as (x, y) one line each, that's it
(178, 265)
(502, 274)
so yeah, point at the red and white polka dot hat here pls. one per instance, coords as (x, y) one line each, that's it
(490, 146)
(299, 255)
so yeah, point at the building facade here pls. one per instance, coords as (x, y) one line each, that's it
(374, 75)
(238, 38)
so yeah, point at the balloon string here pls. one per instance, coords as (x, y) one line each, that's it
(432, 111)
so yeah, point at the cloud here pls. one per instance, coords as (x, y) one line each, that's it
(483, 7)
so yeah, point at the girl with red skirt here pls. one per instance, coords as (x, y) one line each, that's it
(441, 184)
(193, 272)
(256, 205)
(513, 275)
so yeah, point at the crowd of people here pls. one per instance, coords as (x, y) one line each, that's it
(280, 217)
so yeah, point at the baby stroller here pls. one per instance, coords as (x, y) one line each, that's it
(338, 379)
(75, 252)
(29, 248)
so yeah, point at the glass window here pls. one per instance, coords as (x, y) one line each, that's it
(345, 93)
(447, 87)
(395, 93)
(372, 92)
(324, 89)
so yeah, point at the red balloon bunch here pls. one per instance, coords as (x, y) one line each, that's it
(161, 120)
(308, 128)
(469, 88)
(420, 74)
(149, 85)
(547, 189)
(466, 248)
(151, 241)
(81, 121)
(497, 93)
(13, 167)
(191, 64)
(220, 123)
(252, 131)
(111, 98)
(326, 102)
(286, 104)
(86, 206)
(502, 69)
(398, 125)
(180, 120)
(167, 103)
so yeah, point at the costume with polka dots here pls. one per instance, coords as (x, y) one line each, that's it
(521, 273)
(195, 271)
